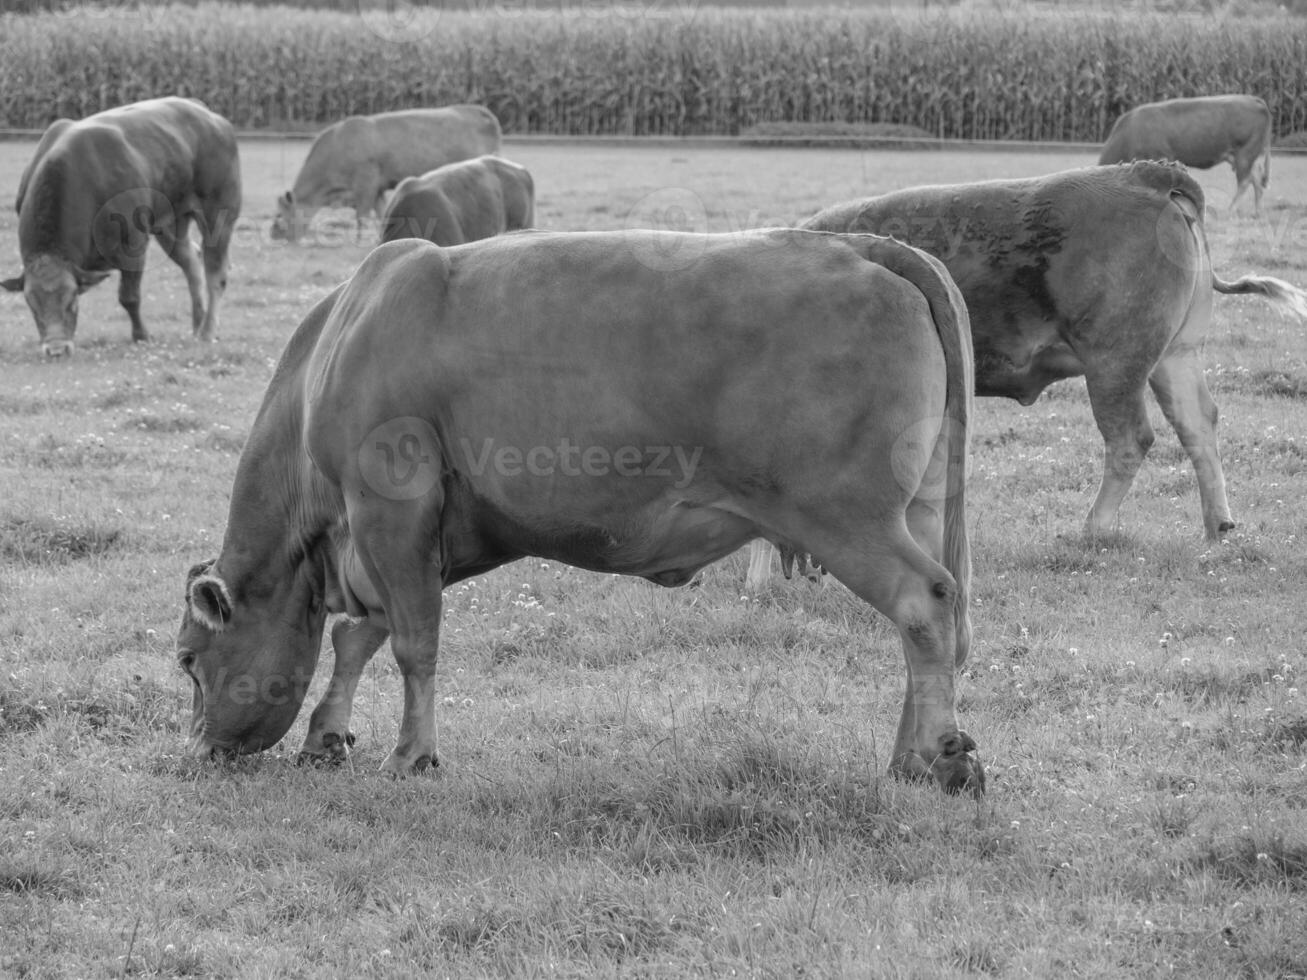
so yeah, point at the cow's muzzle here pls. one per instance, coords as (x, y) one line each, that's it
(58, 348)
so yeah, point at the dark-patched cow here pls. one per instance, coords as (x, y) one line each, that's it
(461, 202)
(97, 190)
(580, 397)
(1200, 132)
(354, 162)
(1102, 272)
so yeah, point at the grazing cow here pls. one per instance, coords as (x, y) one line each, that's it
(568, 396)
(354, 162)
(1102, 272)
(461, 202)
(98, 189)
(1202, 132)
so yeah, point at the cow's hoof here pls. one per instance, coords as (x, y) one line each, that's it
(955, 769)
(399, 768)
(960, 774)
(334, 749)
(1225, 525)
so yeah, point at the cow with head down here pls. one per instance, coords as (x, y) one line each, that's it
(583, 398)
(1199, 132)
(354, 162)
(97, 191)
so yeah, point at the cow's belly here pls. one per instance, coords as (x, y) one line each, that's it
(1022, 371)
(667, 539)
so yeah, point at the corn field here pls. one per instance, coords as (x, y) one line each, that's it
(670, 69)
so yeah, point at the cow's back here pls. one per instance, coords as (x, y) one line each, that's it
(461, 202)
(395, 145)
(423, 139)
(1199, 132)
(175, 148)
(1037, 256)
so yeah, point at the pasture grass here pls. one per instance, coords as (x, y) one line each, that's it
(661, 783)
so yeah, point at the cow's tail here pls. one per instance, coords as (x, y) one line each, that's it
(949, 311)
(1280, 293)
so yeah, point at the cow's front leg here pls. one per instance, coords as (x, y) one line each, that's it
(415, 749)
(404, 570)
(129, 296)
(329, 738)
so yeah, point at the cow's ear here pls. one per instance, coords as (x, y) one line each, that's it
(14, 285)
(85, 280)
(210, 602)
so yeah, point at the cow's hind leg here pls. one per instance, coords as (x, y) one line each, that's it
(1243, 178)
(129, 296)
(1243, 161)
(182, 250)
(1118, 406)
(885, 566)
(329, 738)
(925, 517)
(1181, 390)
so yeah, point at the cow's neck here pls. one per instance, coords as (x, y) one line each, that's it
(317, 190)
(280, 509)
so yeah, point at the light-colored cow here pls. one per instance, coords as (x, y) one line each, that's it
(1200, 132)
(354, 162)
(569, 396)
(1102, 272)
(461, 202)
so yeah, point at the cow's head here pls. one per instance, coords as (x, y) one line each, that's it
(290, 222)
(250, 654)
(51, 285)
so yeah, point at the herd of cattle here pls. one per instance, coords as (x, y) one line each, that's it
(813, 384)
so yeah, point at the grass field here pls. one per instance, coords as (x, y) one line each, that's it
(640, 782)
